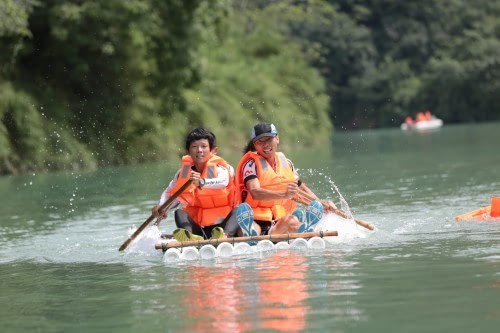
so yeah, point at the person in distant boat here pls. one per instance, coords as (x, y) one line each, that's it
(208, 201)
(409, 121)
(427, 115)
(420, 117)
(266, 184)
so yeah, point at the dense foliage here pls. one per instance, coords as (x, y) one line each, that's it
(92, 82)
(89, 82)
(387, 59)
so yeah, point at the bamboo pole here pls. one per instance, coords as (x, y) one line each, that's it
(272, 237)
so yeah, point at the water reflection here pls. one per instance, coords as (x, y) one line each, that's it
(214, 300)
(283, 292)
(234, 299)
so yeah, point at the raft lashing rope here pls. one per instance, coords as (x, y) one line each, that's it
(228, 247)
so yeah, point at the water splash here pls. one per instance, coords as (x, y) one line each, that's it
(344, 206)
(347, 229)
(343, 202)
(144, 243)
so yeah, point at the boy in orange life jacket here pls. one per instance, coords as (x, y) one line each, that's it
(266, 183)
(209, 199)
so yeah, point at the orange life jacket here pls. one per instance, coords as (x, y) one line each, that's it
(205, 205)
(266, 210)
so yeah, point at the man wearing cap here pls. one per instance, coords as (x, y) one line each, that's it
(266, 183)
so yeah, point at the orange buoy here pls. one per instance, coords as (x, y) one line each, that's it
(484, 213)
(495, 206)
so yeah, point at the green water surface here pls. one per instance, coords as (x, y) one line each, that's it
(420, 271)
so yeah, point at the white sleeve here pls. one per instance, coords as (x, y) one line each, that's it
(295, 173)
(221, 181)
(249, 169)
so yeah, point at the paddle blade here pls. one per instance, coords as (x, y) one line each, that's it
(362, 223)
(125, 244)
(163, 207)
(136, 233)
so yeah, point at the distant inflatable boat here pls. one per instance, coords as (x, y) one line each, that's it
(423, 125)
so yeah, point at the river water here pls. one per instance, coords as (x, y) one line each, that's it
(420, 271)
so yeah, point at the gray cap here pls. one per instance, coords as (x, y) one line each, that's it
(262, 130)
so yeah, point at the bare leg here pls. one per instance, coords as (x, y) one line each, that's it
(285, 225)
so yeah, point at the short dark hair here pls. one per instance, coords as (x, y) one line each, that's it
(249, 147)
(198, 134)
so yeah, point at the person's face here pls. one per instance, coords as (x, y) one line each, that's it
(267, 146)
(199, 151)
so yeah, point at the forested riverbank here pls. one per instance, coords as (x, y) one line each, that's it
(85, 83)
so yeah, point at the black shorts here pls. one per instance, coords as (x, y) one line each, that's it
(265, 226)
(183, 220)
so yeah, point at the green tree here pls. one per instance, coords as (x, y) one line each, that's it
(123, 81)
(438, 55)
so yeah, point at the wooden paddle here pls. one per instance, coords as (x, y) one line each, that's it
(152, 217)
(159, 219)
(306, 198)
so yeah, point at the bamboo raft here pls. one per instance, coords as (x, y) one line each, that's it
(303, 197)
(232, 240)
